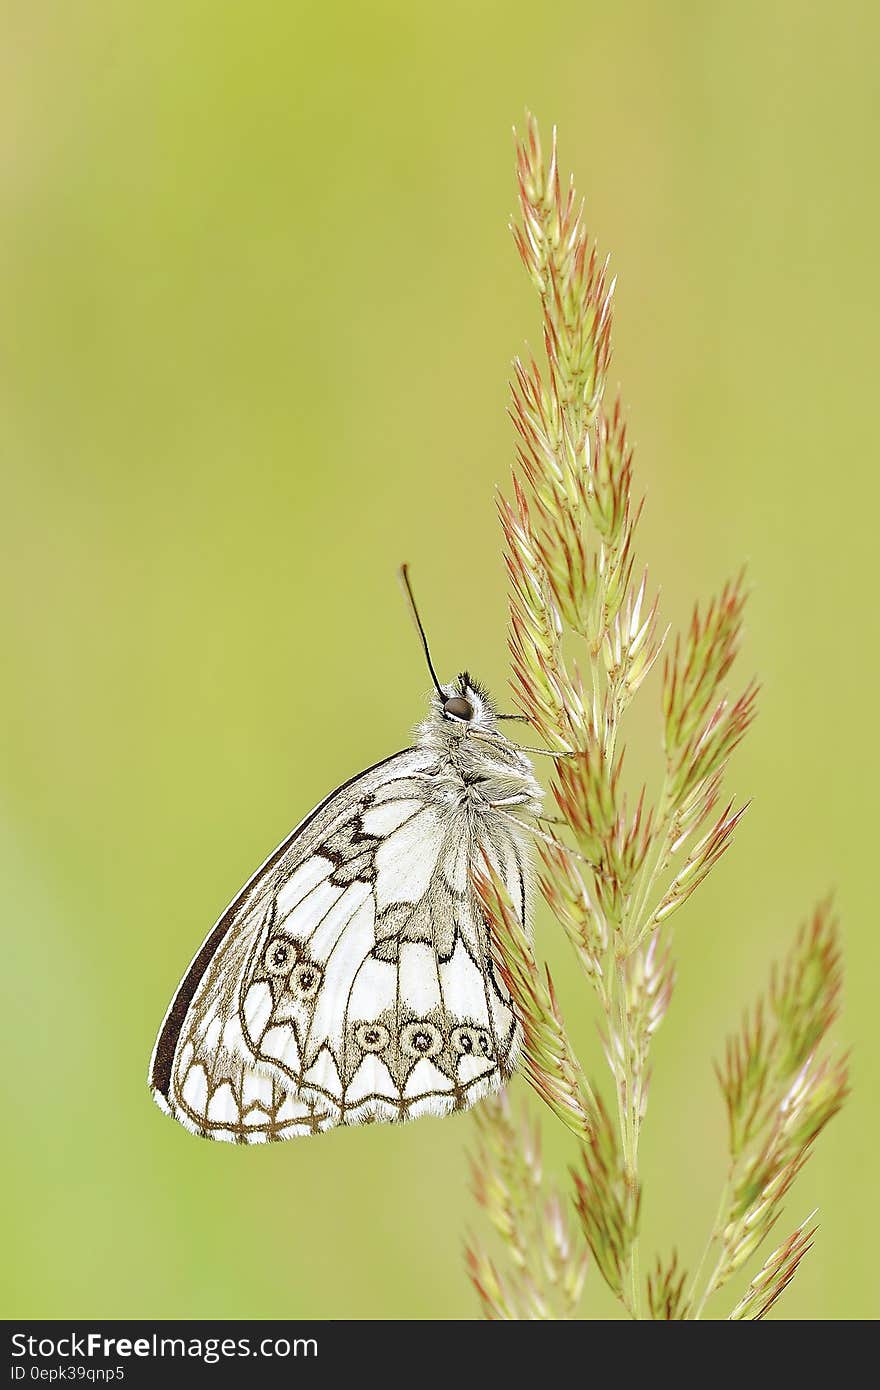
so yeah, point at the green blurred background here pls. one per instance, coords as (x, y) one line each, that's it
(258, 307)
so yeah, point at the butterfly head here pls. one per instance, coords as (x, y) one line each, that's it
(479, 760)
(466, 703)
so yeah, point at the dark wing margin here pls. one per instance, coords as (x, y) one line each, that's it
(163, 1053)
(162, 1061)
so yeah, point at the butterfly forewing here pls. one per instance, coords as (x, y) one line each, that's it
(351, 979)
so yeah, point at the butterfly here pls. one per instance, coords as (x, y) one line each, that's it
(351, 980)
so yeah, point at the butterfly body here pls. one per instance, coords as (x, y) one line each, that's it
(351, 980)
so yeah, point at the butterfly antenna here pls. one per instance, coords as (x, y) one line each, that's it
(403, 573)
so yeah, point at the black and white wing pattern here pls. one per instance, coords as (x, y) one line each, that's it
(351, 979)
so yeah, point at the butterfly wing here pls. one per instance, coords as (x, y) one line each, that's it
(351, 979)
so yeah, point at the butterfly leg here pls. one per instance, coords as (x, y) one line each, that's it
(502, 808)
(545, 752)
(526, 748)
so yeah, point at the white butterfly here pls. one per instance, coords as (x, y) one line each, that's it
(351, 979)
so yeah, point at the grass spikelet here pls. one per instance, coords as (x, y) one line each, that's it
(775, 1275)
(666, 1297)
(549, 1062)
(782, 1082)
(541, 1269)
(607, 1199)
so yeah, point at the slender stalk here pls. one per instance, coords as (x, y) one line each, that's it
(628, 1124)
(697, 1309)
(711, 1282)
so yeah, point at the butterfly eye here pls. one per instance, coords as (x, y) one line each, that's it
(306, 980)
(279, 957)
(458, 708)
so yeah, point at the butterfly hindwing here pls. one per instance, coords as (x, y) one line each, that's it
(351, 979)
